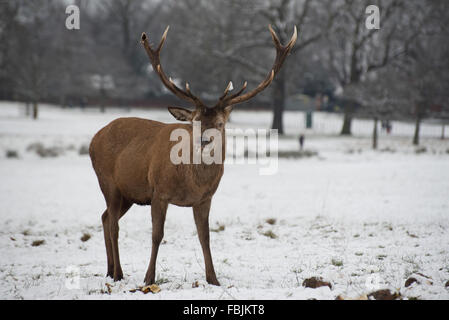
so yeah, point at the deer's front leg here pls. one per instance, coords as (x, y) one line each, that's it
(158, 213)
(201, 216)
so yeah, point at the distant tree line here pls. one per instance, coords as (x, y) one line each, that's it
(398, 71)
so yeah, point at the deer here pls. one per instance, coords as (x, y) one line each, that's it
(131, 159)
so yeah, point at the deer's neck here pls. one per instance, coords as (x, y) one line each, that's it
(207, 173)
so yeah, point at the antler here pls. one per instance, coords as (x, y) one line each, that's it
(281, 53)
(167, 81)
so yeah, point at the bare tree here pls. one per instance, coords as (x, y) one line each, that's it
(31, 53)
(8, 25)
(313, 20)
(381, 96)
(355, 51)
(428, 81)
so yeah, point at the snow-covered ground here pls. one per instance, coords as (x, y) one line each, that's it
(360, 219)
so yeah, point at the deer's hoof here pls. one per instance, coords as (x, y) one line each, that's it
(213, 281)
(149, 281)
(118, 277)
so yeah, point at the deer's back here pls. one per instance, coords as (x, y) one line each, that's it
(120, 155)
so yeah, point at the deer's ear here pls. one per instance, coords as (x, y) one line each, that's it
(228, 110)
(181, 114)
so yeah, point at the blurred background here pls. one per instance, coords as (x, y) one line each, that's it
(398, 72)
(362, 181)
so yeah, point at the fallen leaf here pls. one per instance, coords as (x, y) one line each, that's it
(384, 295)
(411, 235)
(108, 285)
(154, 288)
(315, 282)
(410, 281)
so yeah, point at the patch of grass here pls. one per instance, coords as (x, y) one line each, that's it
(411, 235)
(387, 149)
(297, 271)
(44, 152)
(359, 254)
(381, 256)
(356, 235)
(337, 263)
(370, 224)
(271, 221)
(86, 236)
(26, 232)
(12, 154)
(297, 154)
(37, 243)
(220, 227)
(270, 234)
(411, 260)
(162, 281)
(36, 277)
(420, 150)
(352, 151)
(246, 235)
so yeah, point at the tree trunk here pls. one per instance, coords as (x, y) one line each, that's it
(27, 109)
(375, 134)
(417, 126)
(35, 110)
(278, 102)
(346, 129)
(442, 132)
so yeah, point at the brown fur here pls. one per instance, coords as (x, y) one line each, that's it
(131, 158)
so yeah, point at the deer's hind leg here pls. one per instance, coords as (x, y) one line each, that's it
(117, 207)
(108, 244)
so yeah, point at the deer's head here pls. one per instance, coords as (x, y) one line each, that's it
(217, 115)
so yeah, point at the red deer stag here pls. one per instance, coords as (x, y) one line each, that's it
(131, 158)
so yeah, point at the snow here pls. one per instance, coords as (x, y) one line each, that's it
(361, 219)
